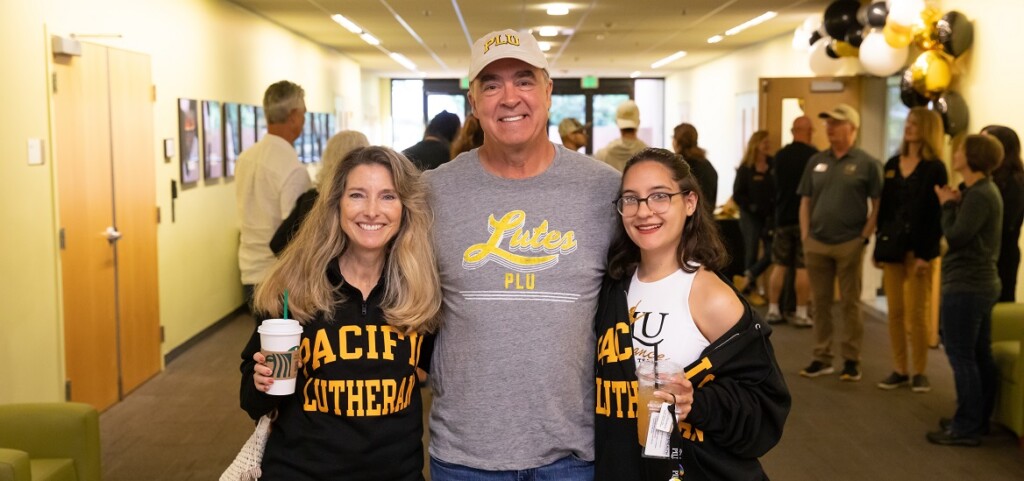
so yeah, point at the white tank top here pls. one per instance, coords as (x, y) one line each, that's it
(661, 314)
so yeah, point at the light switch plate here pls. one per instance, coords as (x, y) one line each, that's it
(168, 150)
(35, 151)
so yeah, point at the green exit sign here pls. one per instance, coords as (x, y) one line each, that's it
(589, 82)
(464, 83)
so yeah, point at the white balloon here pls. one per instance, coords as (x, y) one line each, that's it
(905, 12)
(821, 64)
(878, 57)
(811, 23)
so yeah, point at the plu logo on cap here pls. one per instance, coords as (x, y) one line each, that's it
(501, 39)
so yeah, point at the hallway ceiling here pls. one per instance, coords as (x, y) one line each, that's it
(607, 38)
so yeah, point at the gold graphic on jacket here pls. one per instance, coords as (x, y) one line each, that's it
(358, 397)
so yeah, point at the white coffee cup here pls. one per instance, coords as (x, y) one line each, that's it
(279, 342)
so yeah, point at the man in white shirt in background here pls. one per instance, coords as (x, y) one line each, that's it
(618, 151)
(269, 179)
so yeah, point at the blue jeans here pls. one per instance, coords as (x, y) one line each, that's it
(752, 226)
(966, 320)
(569, 468)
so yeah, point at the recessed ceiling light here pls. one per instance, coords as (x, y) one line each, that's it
(544, 46)
(548, 31)
(344, 22)
(667, 60)
(764, 17)
(634, 74)
(556, 9)
(715, 39)
(370, 39)
(401, 59)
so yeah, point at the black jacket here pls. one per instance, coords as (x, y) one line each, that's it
(911, 206)
(740, 401)
(356, 413)
(754, 192)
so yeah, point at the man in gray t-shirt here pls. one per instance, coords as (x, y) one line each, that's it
(835, 222)
(522, 230)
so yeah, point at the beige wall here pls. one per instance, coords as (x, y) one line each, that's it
(201, 49)
(988, 77)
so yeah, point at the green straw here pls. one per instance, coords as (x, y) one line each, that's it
(286, 303)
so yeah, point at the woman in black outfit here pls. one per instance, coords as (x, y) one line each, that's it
(1009, 178)
(754, 193)
(907, 243)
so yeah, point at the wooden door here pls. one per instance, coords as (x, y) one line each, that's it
(135, 217)
(84, 179)
(782, 99)
(106, 180)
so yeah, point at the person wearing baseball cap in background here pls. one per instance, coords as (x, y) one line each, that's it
(618, 151)
(835, 224)
(573, 133)
(522, 230)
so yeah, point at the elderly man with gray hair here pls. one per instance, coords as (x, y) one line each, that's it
(269, 178)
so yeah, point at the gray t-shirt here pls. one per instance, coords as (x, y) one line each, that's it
(521, 264)
(839, 190)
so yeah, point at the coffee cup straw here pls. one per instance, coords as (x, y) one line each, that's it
(286, 305)
(657, 383)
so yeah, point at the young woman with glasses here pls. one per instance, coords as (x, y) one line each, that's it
(664, 302)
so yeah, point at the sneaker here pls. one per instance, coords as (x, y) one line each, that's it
(850, 372)
(817, 368)
(894, 381)
(800, 321)
(946, 437)
(774, 318)
(946, 423)
(920, 383)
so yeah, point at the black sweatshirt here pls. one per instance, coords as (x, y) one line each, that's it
(740, 401)
(356, 413)
(911, 202)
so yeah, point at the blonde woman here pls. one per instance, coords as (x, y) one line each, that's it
(907, 244)
(754, 193)
(363, 282)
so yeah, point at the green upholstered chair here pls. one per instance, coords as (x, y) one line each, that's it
(1007, 337)
(49, 442)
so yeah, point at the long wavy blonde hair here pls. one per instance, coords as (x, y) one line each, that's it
(750, 155)
(412, 293)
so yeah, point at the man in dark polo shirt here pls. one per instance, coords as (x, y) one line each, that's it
(835, 223)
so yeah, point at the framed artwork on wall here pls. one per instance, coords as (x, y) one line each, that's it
(188, 140)
(247, 128)
(213, 140)
(232, 138)
(261, 123)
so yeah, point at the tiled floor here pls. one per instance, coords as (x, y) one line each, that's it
(185, 424)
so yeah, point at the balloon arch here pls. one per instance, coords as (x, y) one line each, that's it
(880, 36)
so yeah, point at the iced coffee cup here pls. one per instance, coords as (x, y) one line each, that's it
(650, 375)
(279, 343)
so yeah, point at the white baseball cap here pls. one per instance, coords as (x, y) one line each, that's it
(627, 115)
(506, 43)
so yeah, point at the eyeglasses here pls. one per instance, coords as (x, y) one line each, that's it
(658, 202)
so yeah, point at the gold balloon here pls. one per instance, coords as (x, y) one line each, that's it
(930, 15)
(897, 36)
(925, 37)
(931, 74)
(844, 49)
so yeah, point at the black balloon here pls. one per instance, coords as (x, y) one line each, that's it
(831, 52)
(873, 15)
(840, 16)
(855, 36)
(955, 33)
(953, 109)
(815, 36)
(908, 94)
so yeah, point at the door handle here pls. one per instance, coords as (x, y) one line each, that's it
(112, 234)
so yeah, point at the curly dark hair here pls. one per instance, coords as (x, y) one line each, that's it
(702, 242)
